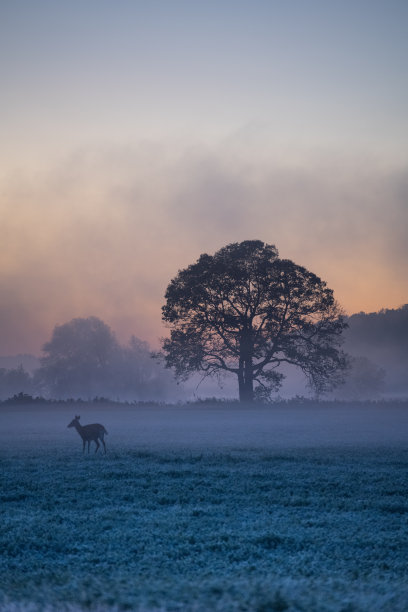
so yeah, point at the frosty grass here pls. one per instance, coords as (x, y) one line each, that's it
(309, 528)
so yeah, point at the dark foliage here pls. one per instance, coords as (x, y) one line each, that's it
(382, 338)
(246, 312)
(14, 381)
(382, 330)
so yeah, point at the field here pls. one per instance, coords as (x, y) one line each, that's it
(205, 508)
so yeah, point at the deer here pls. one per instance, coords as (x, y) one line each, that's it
(88, 433)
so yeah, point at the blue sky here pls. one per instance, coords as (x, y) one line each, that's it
(136, 132)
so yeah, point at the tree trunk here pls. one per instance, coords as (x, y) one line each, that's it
(245, 377)
(246, 392)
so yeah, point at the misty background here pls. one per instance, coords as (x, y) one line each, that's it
(83, 359)
(105, 232)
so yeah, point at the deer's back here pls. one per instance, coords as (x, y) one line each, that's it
(93, 430)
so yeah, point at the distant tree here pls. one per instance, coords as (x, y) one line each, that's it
(83, 360)
(382, 337)
(365, 380)
(78, 358)
(246, 312)
(14, 381)
(139, 377)
(385, 331)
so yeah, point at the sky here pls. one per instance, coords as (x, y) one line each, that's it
(136, 135)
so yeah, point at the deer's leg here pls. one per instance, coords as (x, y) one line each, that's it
(89, 445)
(97, 445)
(104, 445)
(83, 446)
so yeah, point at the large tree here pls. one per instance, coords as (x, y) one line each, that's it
(246, 311)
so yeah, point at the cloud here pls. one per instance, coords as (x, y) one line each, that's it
(104, 231)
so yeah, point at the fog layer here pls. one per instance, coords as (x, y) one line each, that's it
(105, 231)
(217, 427)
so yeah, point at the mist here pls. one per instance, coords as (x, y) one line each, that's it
(208, 427)
(375, 343)
(105, 230)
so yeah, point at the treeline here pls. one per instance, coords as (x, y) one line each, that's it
(20, 399)
(381, 331)
(23, 399)
(378, 346)
(14, 381)
(84, 360)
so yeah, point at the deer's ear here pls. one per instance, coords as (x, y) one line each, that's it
(78, 417)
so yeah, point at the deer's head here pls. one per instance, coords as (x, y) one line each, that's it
(74, 422)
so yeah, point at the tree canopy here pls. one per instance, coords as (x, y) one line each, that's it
(78, 357)
(83, 359)
(245, 311)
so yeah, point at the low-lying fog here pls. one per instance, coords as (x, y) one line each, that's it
(212, 428)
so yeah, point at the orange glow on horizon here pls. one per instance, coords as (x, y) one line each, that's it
(103, 235)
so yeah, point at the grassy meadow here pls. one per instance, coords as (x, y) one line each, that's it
(298, 508)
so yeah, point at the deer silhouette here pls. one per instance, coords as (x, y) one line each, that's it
(89, 433)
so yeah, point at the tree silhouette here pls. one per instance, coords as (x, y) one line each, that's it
(83, 359)
(14, 381)
(246, 312)
(78, 358)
